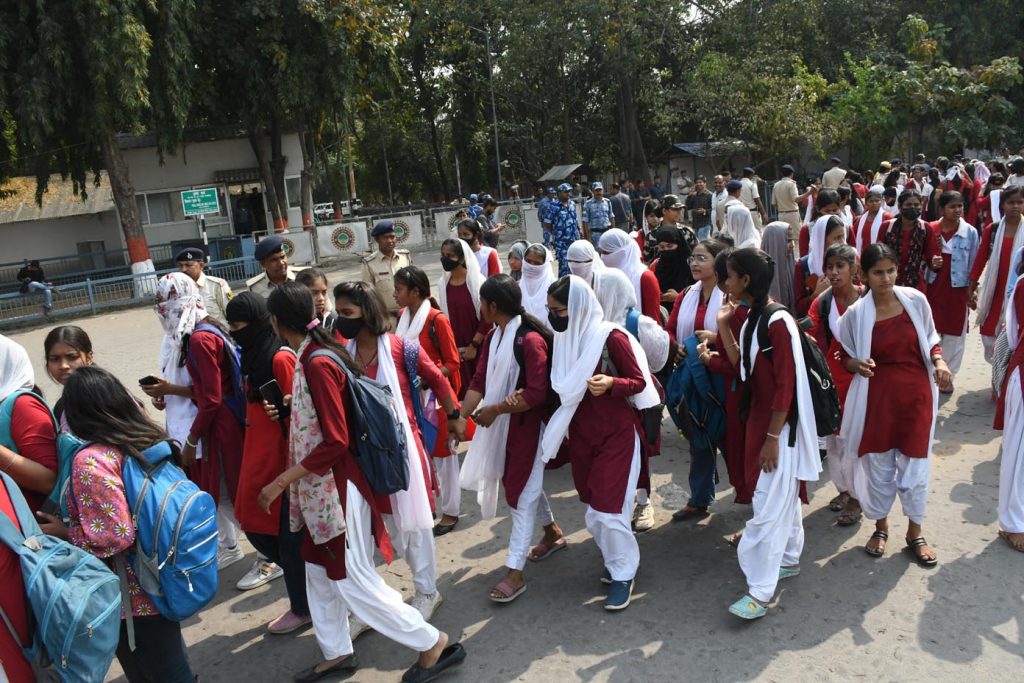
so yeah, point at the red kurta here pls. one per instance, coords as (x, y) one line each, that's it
(650, 295)
(772, 386)
(931, 248)
(264, 456)
(948, 303)
(447, 357)
(523, 428)
(832, 350)
(803, 288)
(466, 323)
(329, 391)
(12, 600)
(991, 325)
(34, 438)
(603, 430)
(865, 232)
(1016, 360)
(743, 472)
(215, 423)
(898, 419)
(698, 318)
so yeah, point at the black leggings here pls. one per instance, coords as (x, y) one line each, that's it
(159, 655)
(285, 550)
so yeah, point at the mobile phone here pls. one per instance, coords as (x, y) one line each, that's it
(149, 380)
(272, 394)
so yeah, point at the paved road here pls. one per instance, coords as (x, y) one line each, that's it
(846, 617)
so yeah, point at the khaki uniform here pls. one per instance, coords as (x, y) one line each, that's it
(832, 178)
(749, 196)
(216, 295)
(379, 271)
(263, 286)
(784, 195)
(723, 208)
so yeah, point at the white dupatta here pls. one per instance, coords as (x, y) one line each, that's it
(474, 278)
(534, 285)
(876, 225)
(410, 326)
(816, 250)
(624, 254)
(576, 354)
(688, 311)
(988, 285)
(485, 462)
(995, 213)
(856, 329)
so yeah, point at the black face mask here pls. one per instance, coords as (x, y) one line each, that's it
(911, 213)
(449, 264)
(247, 337)
(348, 327)
(558, 323)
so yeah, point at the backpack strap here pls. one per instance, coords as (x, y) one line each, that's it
(824, 311)
(9, 533)
(633, 322)
(411, 356)
(805, 265)
(7, 416)
(762, 335)
(126, 600)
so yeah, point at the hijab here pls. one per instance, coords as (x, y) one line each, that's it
(474, 278)
(616, 296)
(775, 243)
(257, 340)
(673, 269)
(623, 253)
(740, 224)
(583, 260)
(534, 285)
(180, 307)
(518, 250)
(16, 368)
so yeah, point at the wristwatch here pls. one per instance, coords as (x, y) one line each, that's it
(454, 415)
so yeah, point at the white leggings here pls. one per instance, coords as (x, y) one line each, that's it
(533, 506)
(613, 532)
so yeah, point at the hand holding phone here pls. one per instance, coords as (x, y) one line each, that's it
(149, 380)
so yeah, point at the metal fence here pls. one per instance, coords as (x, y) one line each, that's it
(93, 295)
(75, 267)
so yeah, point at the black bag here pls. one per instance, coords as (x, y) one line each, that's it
(828, 414)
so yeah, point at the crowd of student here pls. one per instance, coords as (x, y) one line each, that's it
(260, 405)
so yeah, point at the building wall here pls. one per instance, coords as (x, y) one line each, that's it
(59, 236)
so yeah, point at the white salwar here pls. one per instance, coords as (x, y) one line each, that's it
(613, 532)
(774, 536)
(362, 592)
(880, 477)
(1011, 466)
(532, 507)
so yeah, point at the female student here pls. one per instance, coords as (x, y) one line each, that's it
(645, 239)
(1010, 418)
(362, 319)
(696, 313)
(100, 410)
(867, 229)
(824, 313)
(30, 459)
(458, 294)
(740, 228)
(947, 285)
(67, 348)
(619, 251)
(809, 275)
(775, 242)
(912, 241)
(999, 243)
(470, 232)
(266, 360)
(195, 363)
(776, 384)
(516, 254)
(584, 262)
(421, 322)
(826, 203)
(316, 281)
(892, 348)
(537, 277)
(509, 402)
(601, 377)
(334, 505)
(672, 266)
(988, 203)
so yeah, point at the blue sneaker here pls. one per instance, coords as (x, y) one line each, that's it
(606, 577)
(619, 594)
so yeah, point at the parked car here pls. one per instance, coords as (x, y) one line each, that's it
(324, 213)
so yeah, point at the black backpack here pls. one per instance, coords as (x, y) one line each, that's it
(828, 414)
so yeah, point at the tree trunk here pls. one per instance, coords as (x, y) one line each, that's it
(127, 209)
(277, 163)
(633, 155)
(307, 140)
(426, 102)
(267, 176)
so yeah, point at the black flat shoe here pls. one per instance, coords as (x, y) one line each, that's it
(450, 656)
(442, 529)
(347, 665)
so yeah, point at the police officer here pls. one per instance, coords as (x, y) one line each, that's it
(379, 268)
(216, 292)
(276, 271)
(562, 225)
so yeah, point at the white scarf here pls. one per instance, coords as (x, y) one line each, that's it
(856, 329)
(847, 215)
(474, 278)
(485, 462)
(410, 326)
(816, 252)
(740, 224)
(584, 261)
(809, 211)
(16, 372)
(1012, 324)
(624, 254)
(615, 293)
(995, 214)
(576, 354)
(534, 285)
(411, 507)
(833, 316)
(988, 285)
(802, 460)
(483, 257)
(981, 172)
(876, 224)
(688, 311)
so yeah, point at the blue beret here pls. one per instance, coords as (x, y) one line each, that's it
(271, 244)
(190, 254)
(733, 185)
(382, 228)
(565, 187)
(787, 167)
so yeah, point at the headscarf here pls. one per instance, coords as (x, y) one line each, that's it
(534, 284)
(518, 250)
(584, 261)
(474, 278)
(16, 368)
(775, 243)
(988, 283)
(673, 270)
(623, 253)
(740, 224)
(816, 251)
(180, 307)
(616, 296)
(257, 340)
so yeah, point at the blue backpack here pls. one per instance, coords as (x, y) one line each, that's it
(378, 439)
(428, 430)
(74, 597)
(236, 401)
(175, 554)
(633, 322)
(67, 447)
(696, 400)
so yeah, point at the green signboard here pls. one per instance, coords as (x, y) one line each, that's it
(199, 202)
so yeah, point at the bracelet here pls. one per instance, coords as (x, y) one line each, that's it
(189, 443)
(772, 436)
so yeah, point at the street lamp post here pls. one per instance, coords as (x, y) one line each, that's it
(494, 108)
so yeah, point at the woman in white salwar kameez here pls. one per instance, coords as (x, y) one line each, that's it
(775, 385)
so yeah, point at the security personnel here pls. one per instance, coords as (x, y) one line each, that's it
(216, 292)
(379, 268)
(276, 271)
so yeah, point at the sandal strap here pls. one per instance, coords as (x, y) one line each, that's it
(917, 542)
(881, 535)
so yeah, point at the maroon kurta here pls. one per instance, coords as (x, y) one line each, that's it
(948, 303)
(772, 388)
(466, 322)
(603, 430)
(743, 471)
(329, 391)
(215, 423)
(523, 428)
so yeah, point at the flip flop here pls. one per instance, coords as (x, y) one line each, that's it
(507, 590)
(450, 656)
(748, 608)
(883, 536)
(1005, 535)
(915, 546)
(542, 551)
